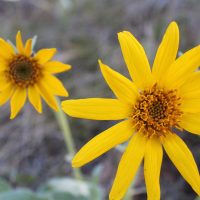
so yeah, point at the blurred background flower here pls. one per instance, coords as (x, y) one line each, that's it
(32, 148)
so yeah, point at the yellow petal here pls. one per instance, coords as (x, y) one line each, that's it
(56, 67)
(3, 66)
(103, 142)
(152, 164)
(17, 101)
(191, 86)
(28, 47)
(4, 83)
(6, 46)
(34, 98)
(190, 105)
(44, 55)
(123, 88)
(19, 43)
(128, 166)
(47, 95)
(166, 53)
(6, 51)
(55, 85)
(191, 122)
(4, 56)
(5, 95)
(182, 68)
(190, 94)
(183, 159)
(136, 60)
(97, 108)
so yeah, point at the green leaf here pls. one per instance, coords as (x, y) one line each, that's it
(66, 196)
(4, 186)
(71, 189)
(20, 194)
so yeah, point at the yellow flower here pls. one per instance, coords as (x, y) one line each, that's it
(153, 105)
(23, 73)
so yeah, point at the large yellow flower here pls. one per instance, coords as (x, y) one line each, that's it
(22, 73)
(153, 106)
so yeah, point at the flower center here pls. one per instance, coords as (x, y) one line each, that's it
(24, 71)
(156, 111)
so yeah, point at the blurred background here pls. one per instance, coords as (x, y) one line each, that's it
(34, 160)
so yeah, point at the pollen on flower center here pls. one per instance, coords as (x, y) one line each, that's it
(157, 111)
(24, 71)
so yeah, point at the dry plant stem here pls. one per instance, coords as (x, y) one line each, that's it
(65, 128)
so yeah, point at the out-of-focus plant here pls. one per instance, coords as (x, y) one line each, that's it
(57, 188)
(54, 189)
(65, 128)
(28, 74)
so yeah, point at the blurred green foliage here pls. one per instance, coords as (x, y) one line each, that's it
(54, 189)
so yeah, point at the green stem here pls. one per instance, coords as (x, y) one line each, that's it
(128, 195)
(66, 131)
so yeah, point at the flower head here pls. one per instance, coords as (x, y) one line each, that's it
(152, 107)
(24, 73)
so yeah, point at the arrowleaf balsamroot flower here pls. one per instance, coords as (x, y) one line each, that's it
(23, 74)
(152, 106)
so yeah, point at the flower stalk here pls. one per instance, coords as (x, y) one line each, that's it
(66, 131)
(128, 195)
